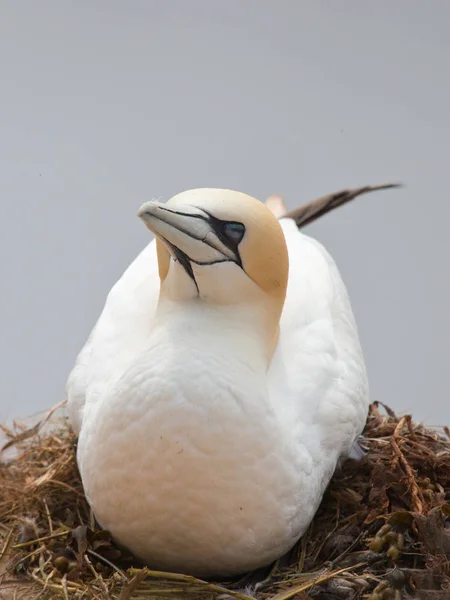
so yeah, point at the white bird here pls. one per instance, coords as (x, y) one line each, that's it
(220, 387)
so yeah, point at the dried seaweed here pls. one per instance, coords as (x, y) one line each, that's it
(382, 531)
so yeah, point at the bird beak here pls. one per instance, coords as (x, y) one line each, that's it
(188, 230)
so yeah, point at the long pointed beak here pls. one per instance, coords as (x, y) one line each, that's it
(188, 229)
(157, 216)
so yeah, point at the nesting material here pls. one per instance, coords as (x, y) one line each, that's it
(382, 531)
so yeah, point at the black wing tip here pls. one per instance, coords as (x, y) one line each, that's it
(385, 186)
(306, 214)
(358, 191)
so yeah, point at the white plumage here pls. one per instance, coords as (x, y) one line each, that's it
(205, 440)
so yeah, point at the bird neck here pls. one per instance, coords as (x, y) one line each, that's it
(244, 331)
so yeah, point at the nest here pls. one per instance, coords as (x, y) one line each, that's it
(382, 531)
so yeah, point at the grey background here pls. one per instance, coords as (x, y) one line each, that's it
(107, 104)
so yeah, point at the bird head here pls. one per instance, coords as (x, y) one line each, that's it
(219, 246)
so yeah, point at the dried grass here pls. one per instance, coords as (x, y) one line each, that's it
(381, 533)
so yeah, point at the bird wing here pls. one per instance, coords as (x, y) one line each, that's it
(317, 372)
(119, 334)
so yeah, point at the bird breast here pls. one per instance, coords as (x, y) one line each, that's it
(186, 461)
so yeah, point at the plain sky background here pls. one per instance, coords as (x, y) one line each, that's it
(107, 104)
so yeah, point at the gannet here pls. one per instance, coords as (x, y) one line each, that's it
(219, 389)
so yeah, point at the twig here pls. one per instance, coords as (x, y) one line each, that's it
(347, 550)
(42, 539)
(293, 591)
(327, 537)
(189, 579)
(6, 544)
(57, 586)
(303, 542)
(97, 576)
(32, 430)
(109, 563)
(130, 586)
(64, 587)
(27, 556)
(47, 512)
(412, 433)
(416, 496)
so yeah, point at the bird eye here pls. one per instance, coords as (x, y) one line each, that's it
(234, 231)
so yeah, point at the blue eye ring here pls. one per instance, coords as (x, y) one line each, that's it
(234, 231)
